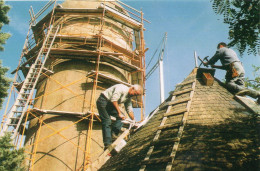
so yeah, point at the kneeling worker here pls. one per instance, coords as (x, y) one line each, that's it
(108, 105)
(235, 71)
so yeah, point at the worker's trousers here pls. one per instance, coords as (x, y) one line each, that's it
(107, 109)
(236, 84)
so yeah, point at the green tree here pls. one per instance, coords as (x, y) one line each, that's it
(11, 159)
(4, 81)
(242, 16)
(3, 20)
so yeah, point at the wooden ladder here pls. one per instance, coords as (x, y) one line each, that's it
(162, 127)
(105, 155)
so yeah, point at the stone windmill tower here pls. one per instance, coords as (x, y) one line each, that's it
(73, 52)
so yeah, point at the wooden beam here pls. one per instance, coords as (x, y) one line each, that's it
(249, 104)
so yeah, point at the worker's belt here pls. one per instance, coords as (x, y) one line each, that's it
(102, 95)
(232, 72)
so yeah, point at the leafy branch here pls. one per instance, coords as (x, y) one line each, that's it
(242, 16)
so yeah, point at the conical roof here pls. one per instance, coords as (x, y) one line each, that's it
(198, 127)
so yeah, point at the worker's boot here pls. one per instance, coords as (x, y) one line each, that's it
(249, 92)
(243, 92)
(254, 94)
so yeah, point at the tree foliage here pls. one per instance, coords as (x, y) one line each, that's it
(255, 84)
(4, 83)
(10, 158)
(242, 16)
(3, 20)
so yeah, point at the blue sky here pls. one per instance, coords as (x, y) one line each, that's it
(190, 25)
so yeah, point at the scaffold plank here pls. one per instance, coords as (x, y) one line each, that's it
(108, 57)
(107, 79)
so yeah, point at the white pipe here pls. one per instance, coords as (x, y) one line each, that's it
(161, 80)
(196, 59)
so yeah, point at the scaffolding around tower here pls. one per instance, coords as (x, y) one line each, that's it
(108, 39)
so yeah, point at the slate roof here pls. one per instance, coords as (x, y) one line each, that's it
(198, 127)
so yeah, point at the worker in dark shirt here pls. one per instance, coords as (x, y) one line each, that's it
(235, 71)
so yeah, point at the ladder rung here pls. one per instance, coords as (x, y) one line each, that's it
(177, 101)
(176, 112)
(22, 99)
(168, 141)
(15, 118)
(25, 93)
(33, 73)
(18, 111)
(185, 83)
(182, 92)
(12, 124)
(28, 83)
(157, 160)
(19, 105)
(168, 126)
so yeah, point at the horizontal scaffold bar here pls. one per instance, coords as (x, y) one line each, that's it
(110, 13)
(78, 114)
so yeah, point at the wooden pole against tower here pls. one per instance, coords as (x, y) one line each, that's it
(142, 60)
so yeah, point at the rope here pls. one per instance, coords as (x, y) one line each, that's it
(159, 46)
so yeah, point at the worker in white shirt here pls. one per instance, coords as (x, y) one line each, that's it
(108, 105)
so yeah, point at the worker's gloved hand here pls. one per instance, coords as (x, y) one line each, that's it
(133, 122)
(130, 121)
(121, 116)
